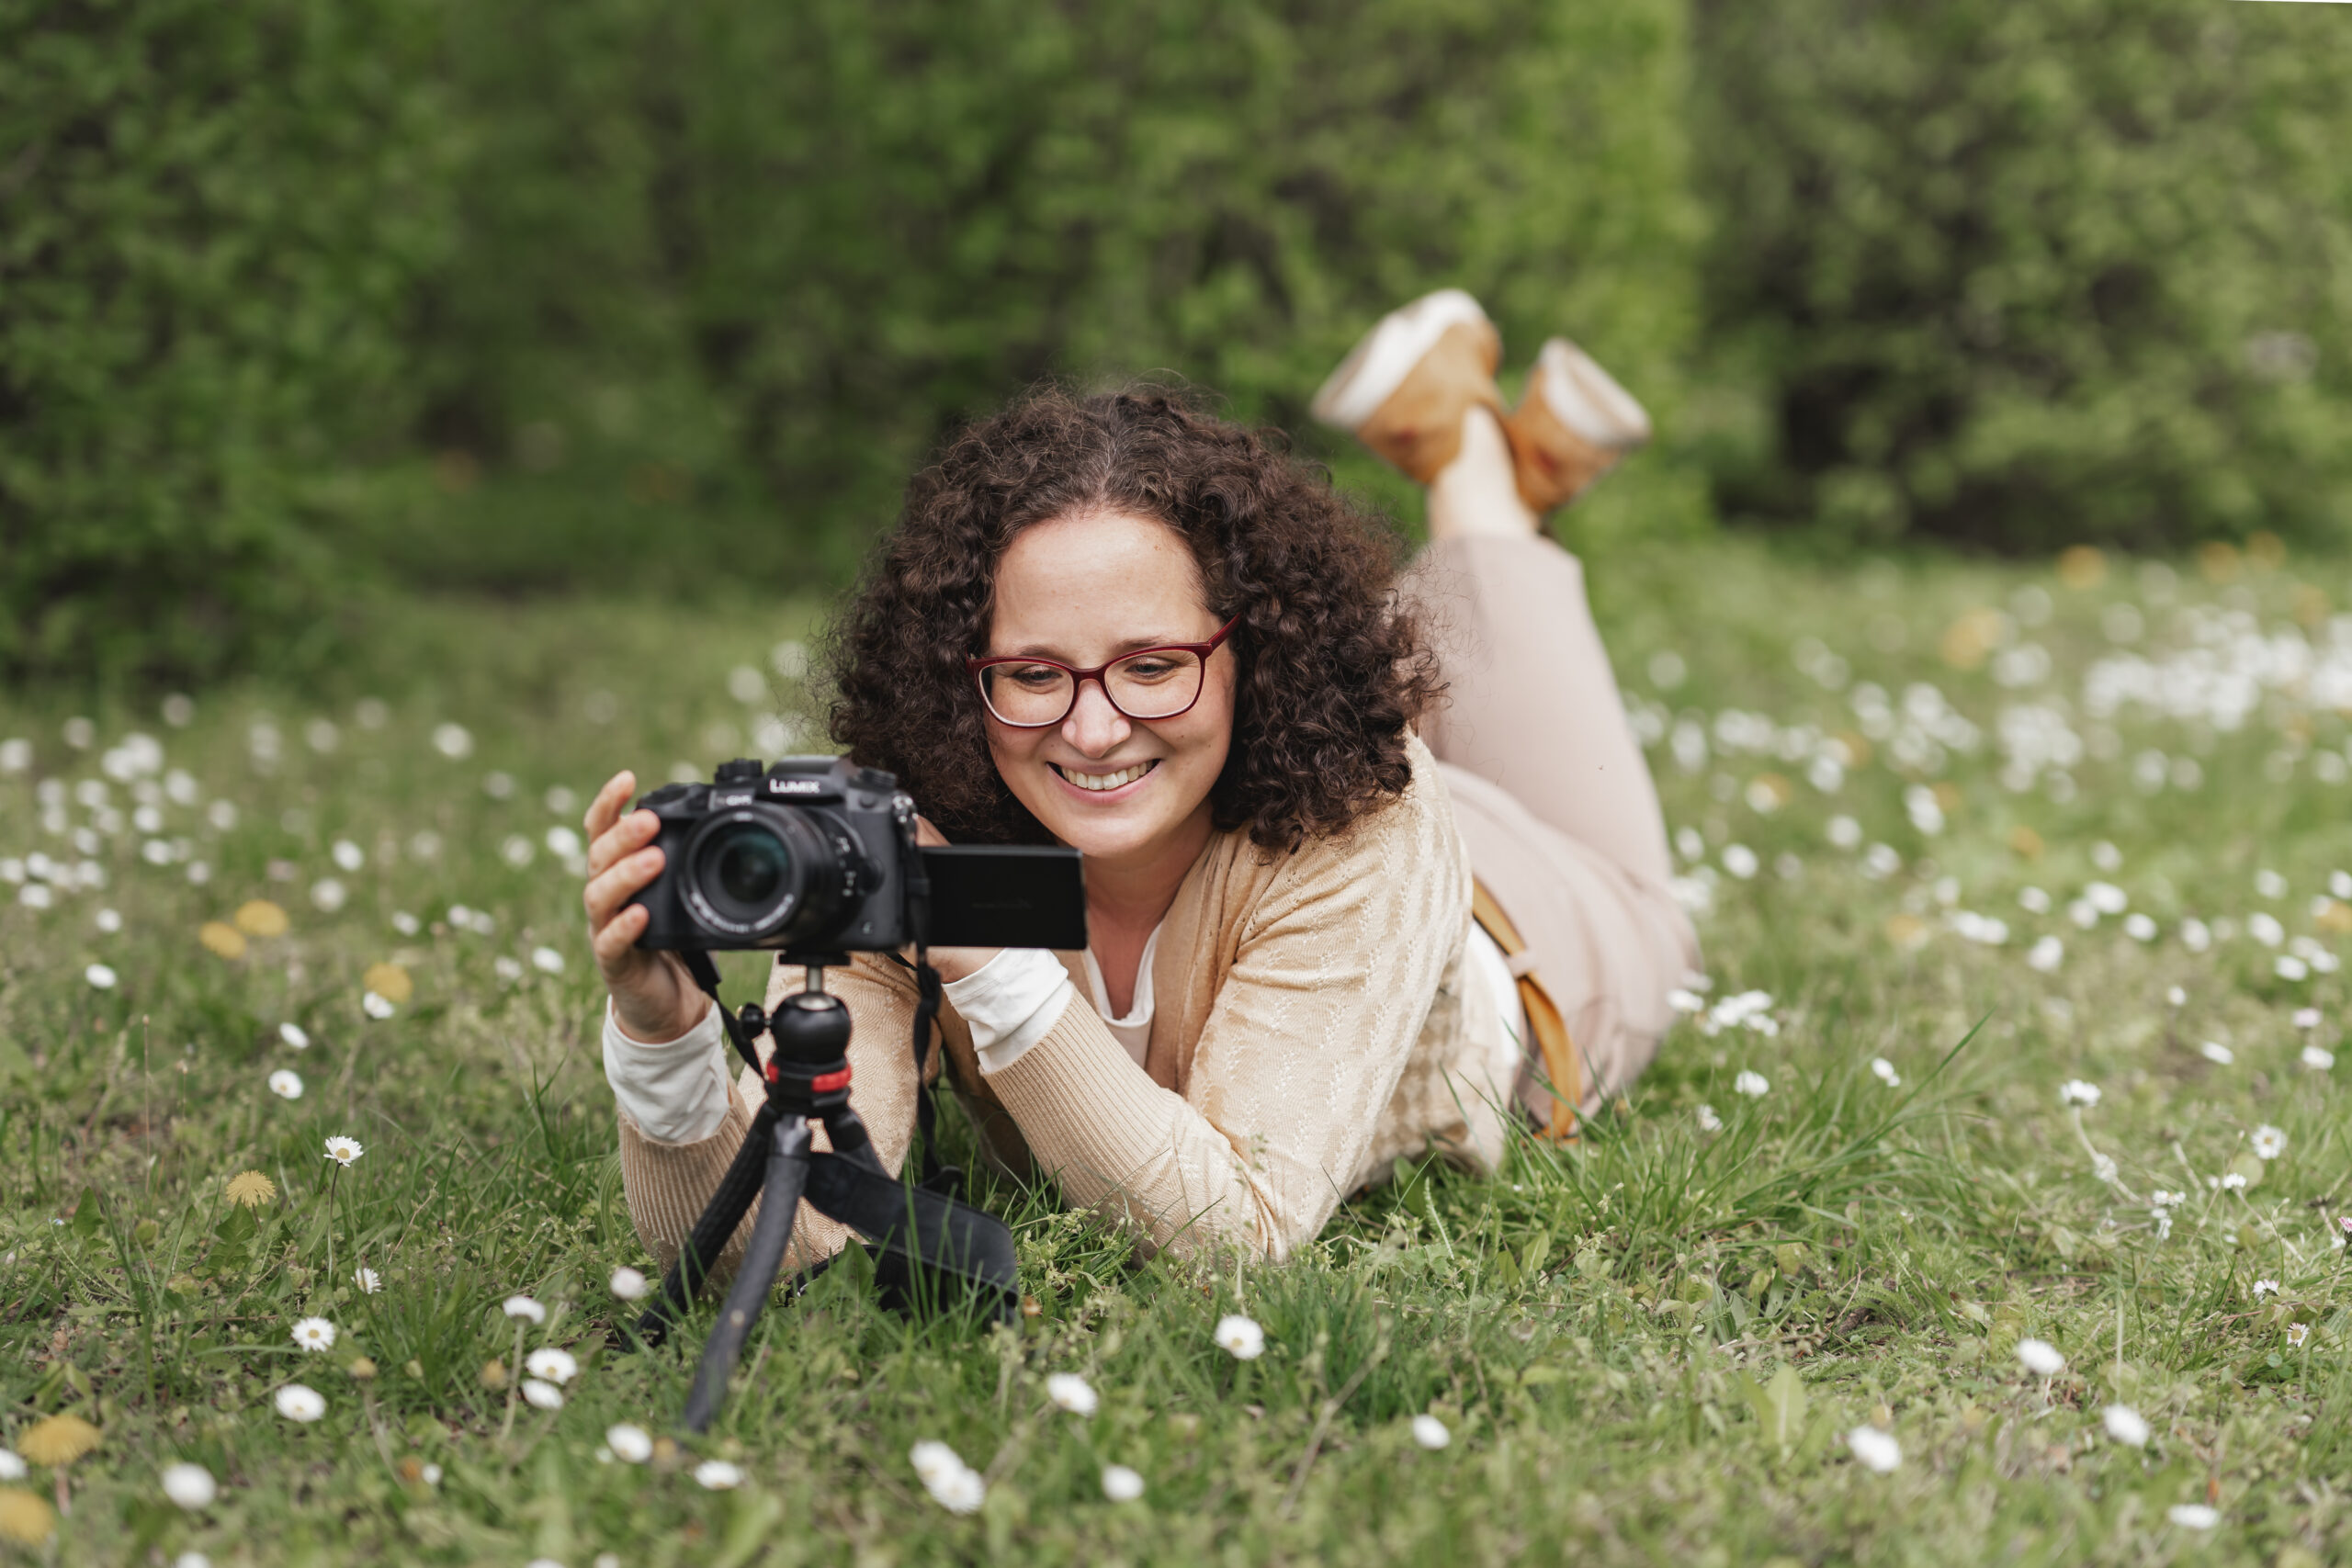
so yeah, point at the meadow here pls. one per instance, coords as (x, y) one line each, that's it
(1986, 1205)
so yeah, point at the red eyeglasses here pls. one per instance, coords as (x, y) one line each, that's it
(1028, 692)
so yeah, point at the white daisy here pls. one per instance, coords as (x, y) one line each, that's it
(2075, 1091)
(2041, 1357)
(315, 1334)
(1121, 1484)
(1071, 1392)
(545, 1395)
(629, 1284)
(1240, 1337)
(190, 1485)
(1875, 1450)
(1886, 1073)
(2269, 1142)
(2265, 1287)
(344, 1150)
(2126, 1427)
(285, 1084)
(1708, 1120)
(630, 1441)
(101, 976)
(376, 1007)
(368, 1279)
(2297, 1332)
(2318, 1058)
(1430, 1432)
(294, 1034)
(12, 1465)
(1752, 1084)
(547, 961)
(523, 1306)
(299, 1402)
(718, 1476)
(2193, 1515)
(556, 1366)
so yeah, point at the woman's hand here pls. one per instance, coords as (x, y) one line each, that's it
(953, 963)
(654, 999)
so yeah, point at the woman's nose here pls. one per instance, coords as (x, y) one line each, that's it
(1094, 727)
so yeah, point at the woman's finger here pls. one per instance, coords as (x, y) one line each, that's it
(615, 941)
(629, 835)
(929, 837)
(606, 809)
(607, 893)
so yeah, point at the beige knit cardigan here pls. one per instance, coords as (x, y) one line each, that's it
(1308, 1029)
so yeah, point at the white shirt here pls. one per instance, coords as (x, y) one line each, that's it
(676, 1091)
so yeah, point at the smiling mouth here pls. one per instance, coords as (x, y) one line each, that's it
(1097, 783)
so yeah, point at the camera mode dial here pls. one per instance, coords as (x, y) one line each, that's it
(741, 769)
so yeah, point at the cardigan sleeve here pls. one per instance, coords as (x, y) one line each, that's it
(667, 1184)
(1331, 981)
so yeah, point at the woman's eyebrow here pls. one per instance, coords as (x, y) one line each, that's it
(1118, 649)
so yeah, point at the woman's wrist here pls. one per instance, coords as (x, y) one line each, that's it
(961, 963)
(641, 1031)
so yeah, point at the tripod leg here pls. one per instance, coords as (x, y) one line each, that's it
(787, 1177)
(712, 1231)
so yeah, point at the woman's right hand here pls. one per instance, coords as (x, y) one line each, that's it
(654, 999)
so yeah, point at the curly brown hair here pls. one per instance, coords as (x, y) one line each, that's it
(1331, 667)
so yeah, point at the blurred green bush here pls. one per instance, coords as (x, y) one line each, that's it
(517, 293)
(803, 240)
(213, 223)
(2022, 275)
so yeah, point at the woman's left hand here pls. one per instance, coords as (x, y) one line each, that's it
(953, 963)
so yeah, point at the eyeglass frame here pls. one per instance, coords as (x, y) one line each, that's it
(974, 665)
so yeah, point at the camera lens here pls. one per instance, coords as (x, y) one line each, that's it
(747, 872)
(750, 863)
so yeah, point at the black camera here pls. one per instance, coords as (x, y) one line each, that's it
(817, 855)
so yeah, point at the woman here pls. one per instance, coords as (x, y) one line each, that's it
(1122, 624)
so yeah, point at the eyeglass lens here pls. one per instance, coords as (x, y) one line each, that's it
(1155, 683)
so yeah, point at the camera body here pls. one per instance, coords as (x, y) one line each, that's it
(818, 854)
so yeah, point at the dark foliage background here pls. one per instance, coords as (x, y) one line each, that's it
(2022, 275)
(299, 302)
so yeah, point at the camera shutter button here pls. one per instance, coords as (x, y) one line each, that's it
(741, 769)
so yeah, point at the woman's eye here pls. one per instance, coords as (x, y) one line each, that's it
(1036, 677)
(1147, 668)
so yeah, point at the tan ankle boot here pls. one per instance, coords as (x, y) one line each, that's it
(1404, 389)
(1571, 427)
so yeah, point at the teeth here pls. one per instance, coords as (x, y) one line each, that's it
(1107, 781)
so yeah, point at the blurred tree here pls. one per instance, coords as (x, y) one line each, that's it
(2022, 275)
(212, 221)
(812, 237)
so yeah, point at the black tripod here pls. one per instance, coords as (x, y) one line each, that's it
(929, 1250)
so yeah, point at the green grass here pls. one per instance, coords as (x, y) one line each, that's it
(1646, 1347)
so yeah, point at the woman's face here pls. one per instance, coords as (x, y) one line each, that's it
(1082, 591)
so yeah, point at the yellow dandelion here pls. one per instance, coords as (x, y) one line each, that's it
(1968, 640)
(259, 917)
(2025, 841)
(25, 1518)
(2082, 566)
(388, 981)
(221, 938)
(251, 1189)
(58, 1439)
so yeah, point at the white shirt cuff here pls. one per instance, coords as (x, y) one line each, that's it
(1010, 1001)
(676, 1092)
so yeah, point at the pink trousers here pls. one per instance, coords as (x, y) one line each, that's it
(1554, 796)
